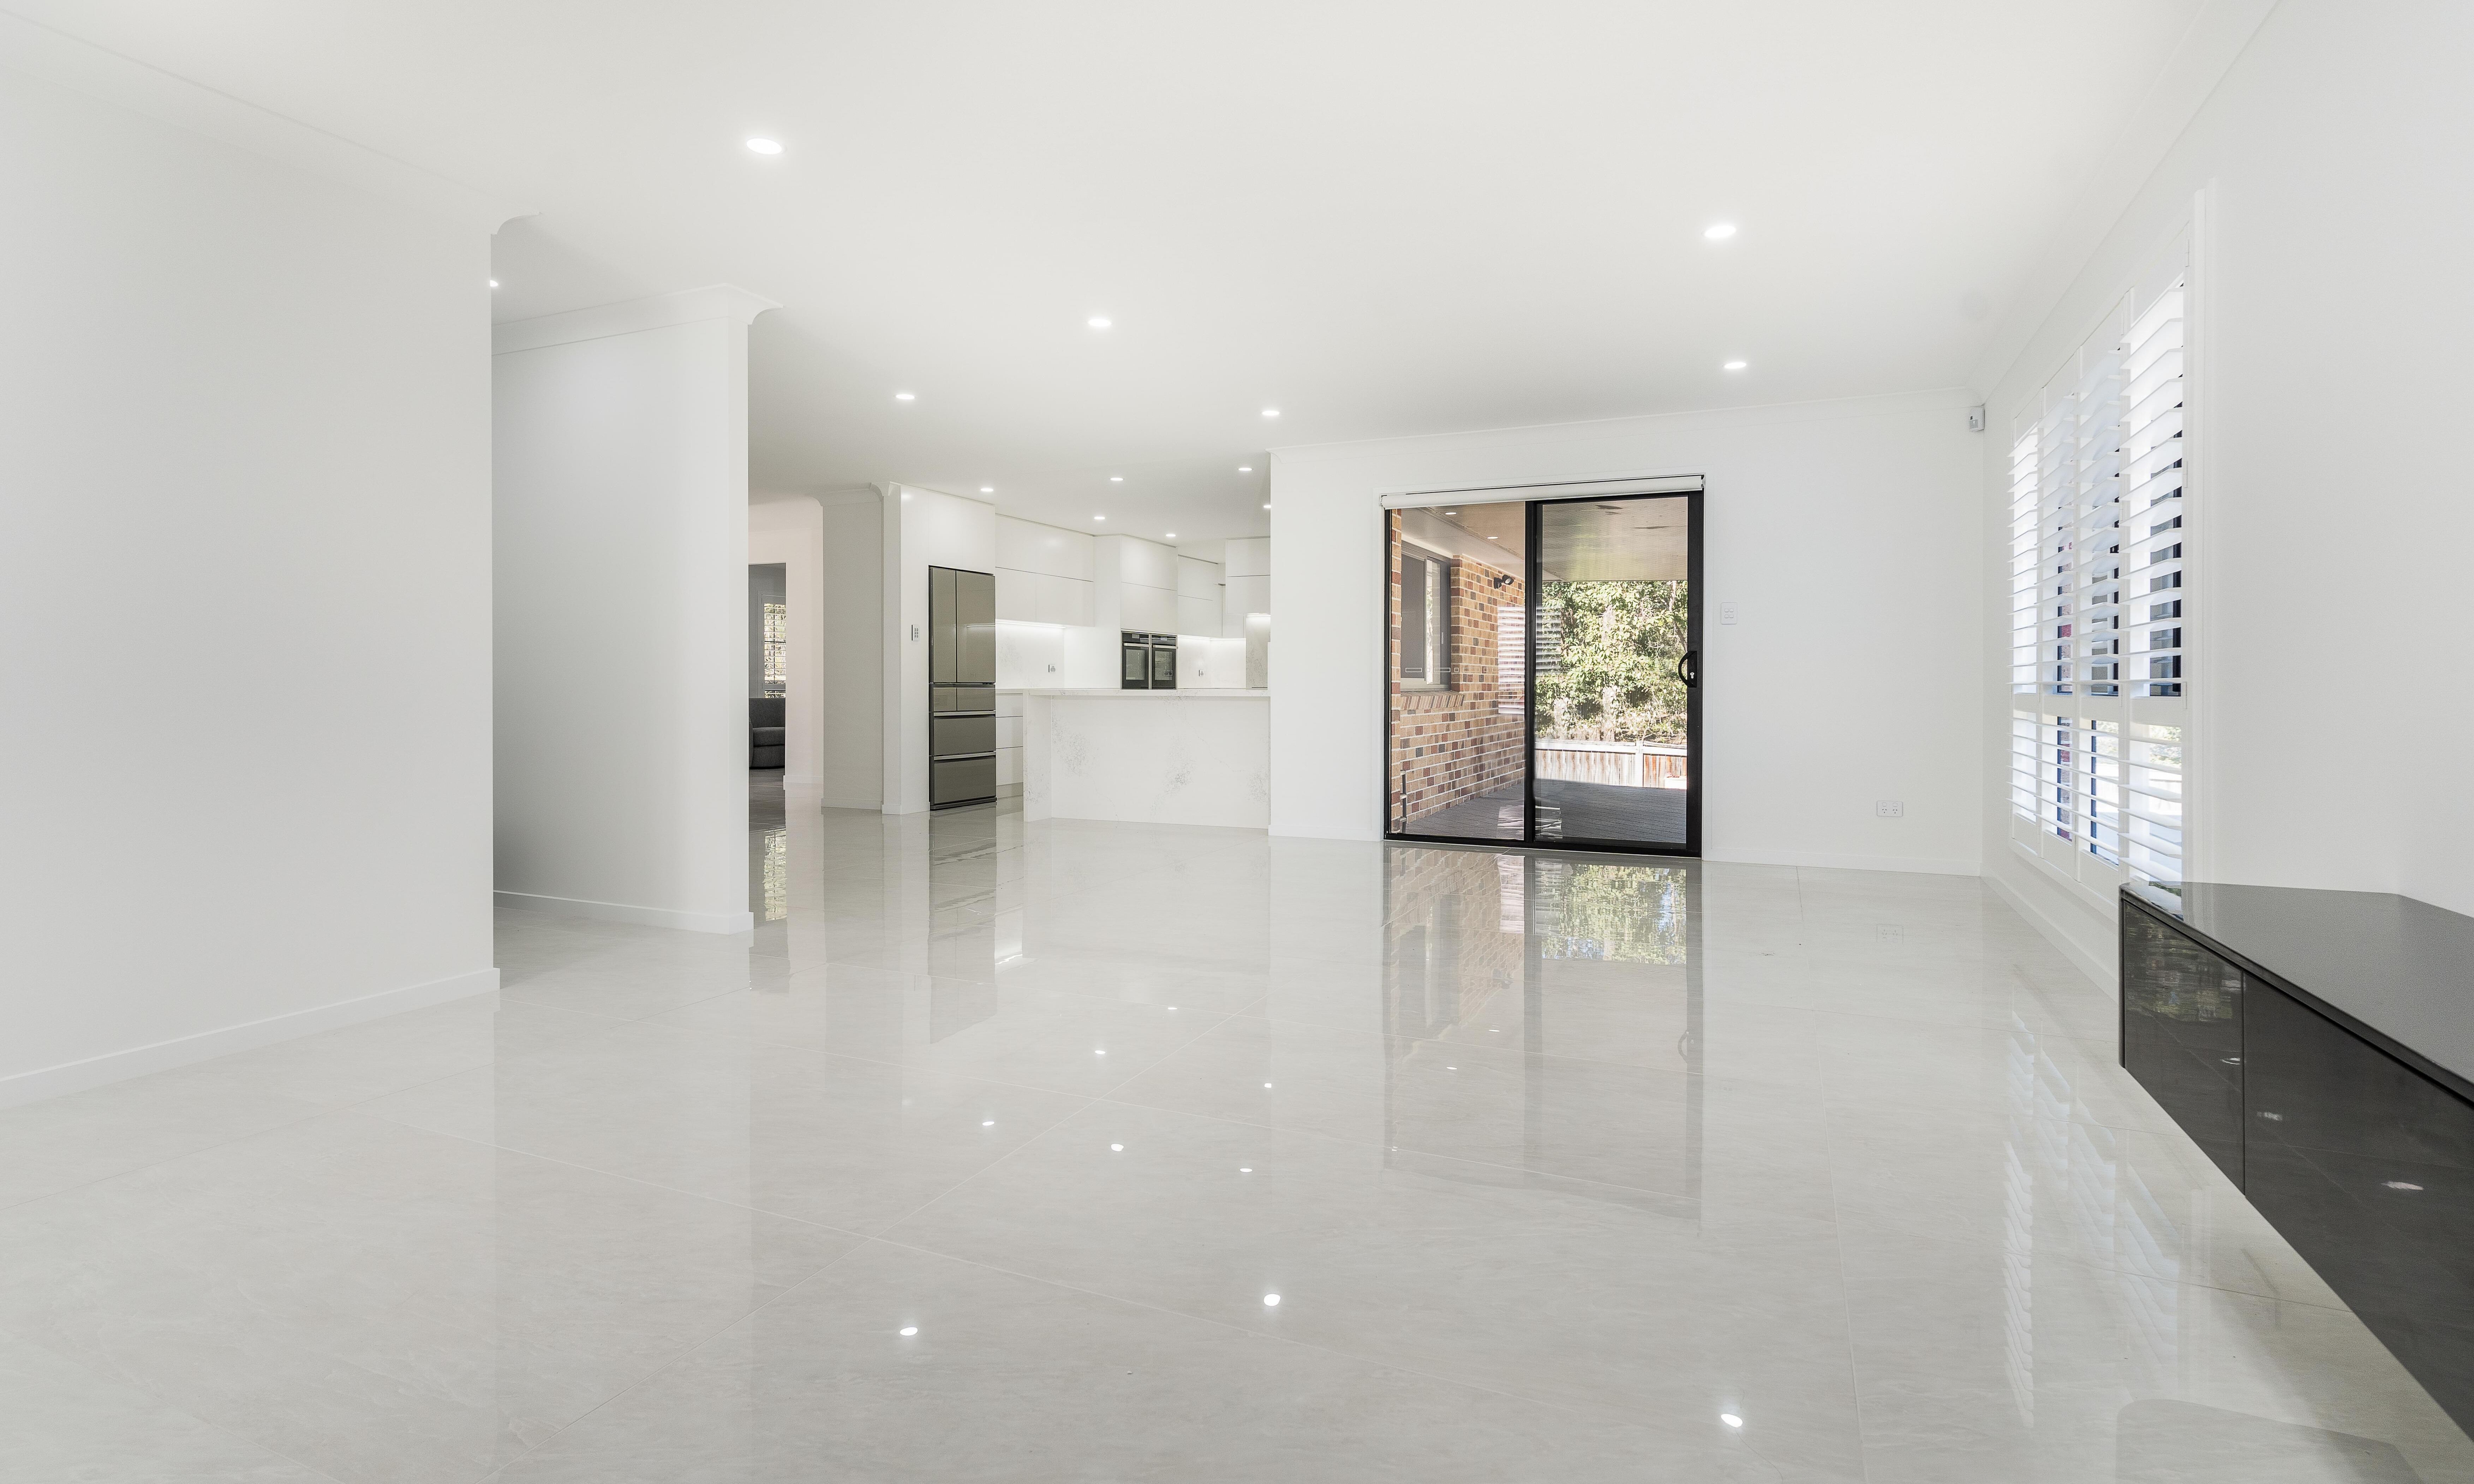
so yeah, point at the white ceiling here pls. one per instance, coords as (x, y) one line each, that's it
(1383, 219)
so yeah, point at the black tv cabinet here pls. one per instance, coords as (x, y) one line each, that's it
(2319, 1048)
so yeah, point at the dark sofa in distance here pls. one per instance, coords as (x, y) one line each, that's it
(764, 732)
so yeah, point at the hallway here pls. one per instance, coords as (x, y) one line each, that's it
(1081, 1151)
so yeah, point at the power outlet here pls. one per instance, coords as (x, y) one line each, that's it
(1889, 808)
(1726, 613)
(1889, 932)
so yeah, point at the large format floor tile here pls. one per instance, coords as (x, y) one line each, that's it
(987, 1154)
(382, 1303)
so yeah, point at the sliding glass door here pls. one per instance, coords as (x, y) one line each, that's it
(1543, 672)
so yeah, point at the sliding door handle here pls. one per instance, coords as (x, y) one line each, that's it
(1688, 668)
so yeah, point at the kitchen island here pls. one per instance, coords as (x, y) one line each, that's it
(1200, 757)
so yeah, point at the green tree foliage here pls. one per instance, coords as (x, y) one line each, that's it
(1614, 681)
(1611, 912)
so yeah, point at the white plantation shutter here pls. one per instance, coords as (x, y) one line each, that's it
(2100, 607)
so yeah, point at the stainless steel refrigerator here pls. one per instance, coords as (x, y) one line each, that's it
(961, 688)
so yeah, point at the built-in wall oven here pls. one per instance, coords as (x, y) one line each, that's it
(1150, 661)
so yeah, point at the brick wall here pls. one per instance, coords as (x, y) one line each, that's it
(1454, 940)
(1454, 744)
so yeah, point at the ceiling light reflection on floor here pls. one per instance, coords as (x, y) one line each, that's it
(1271, 1300)
(909, 1330)
(1730, 1418)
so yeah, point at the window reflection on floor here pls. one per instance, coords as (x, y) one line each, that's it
(1572, 985)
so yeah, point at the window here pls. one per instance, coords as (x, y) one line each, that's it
(2100, 605)
(777, 643)
(1426, 620)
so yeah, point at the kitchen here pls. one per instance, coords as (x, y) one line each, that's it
(1129, 679)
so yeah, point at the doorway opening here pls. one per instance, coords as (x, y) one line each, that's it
(768, 665)
(1543, 671)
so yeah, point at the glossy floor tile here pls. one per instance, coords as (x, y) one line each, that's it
(1087, 1151)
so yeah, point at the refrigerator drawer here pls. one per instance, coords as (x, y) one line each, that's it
(948, 735)
(962, 780)
(963, 697)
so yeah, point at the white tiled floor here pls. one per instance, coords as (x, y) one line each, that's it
(1551, 1163)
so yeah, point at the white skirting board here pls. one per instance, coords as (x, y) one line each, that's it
(205, 1045)
(1822, 860)
(621, 912)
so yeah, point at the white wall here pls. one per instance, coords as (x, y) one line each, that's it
(2328, 386)
(851, 726)
(923, 528)
(1845, 533)
(621, 461)
(791, 529)
(244, 598)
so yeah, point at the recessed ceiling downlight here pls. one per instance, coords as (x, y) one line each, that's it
(1099, 518)
(766, 146)
(1099, 321)
(1720, 231)
(494, 283)
(1270, 411)
(1116, 479)
(1172, 535)
(906, 396)
(1734, 365)
(987, 489)
(1244, 468)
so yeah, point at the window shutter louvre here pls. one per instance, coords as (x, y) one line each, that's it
(2099, 603)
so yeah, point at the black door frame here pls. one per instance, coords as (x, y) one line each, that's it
(1531, 525)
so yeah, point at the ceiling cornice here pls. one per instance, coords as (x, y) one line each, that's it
(59, 58)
